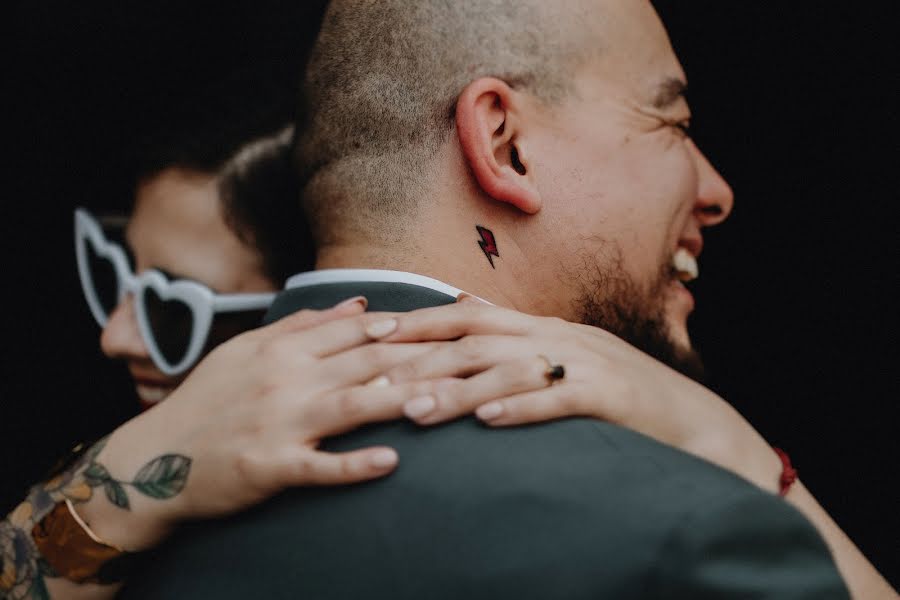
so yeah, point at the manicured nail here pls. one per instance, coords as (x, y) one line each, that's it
(379, 329)
(419, 407)
(467, 297)
(380, 381)
(361, 300)
(383, 458)
(489, 411)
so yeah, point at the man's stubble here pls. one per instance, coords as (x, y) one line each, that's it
(610, 299)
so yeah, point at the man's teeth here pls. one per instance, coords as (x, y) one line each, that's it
(152, 394)
(685, 265)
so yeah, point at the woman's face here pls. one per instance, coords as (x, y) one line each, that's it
(177, 228)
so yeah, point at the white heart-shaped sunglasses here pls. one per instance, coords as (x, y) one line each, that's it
(174, 317)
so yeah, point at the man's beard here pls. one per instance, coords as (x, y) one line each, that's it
(609, 299)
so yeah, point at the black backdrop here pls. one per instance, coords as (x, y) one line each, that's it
(793, 102)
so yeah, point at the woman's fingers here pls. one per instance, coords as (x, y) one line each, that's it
(313, 467)
(346, 409)
(361, 364)
(553, 402)
(451, 322)
(305, 319)
(506, 379)
(461, 358)
(332, 333)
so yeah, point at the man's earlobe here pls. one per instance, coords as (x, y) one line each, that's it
(490, 125)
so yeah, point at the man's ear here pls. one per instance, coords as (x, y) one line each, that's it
(489, 124)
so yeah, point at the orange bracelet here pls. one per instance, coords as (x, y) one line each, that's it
(788, 472)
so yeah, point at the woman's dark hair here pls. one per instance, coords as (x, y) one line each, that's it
(261, 204)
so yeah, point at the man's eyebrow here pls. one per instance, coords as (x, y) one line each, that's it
(669, 92)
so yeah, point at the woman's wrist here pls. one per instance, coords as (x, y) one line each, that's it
(119, 510)
(139, 528)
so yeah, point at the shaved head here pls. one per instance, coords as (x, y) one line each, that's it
(560, 128)
(381, 90)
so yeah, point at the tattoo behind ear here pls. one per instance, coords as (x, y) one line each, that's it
(488, 244)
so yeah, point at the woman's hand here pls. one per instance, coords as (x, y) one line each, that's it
(246, 424)
(499, 353)
(502, 356)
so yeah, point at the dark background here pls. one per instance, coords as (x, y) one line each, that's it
(794, 103)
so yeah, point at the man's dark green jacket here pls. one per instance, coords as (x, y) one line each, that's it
(573, 509)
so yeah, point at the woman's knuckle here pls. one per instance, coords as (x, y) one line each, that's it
(268, 394)
(570, 400)
(469, 310)
(270, 349)
(297, 319)
(246, 465)
(350, 404)
(533, 369)
(408, 371)
(447, 401)
(378, 355)
(348, 468)
(471, 347)
(303, 469)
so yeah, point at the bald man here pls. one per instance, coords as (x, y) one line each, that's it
(533, 154)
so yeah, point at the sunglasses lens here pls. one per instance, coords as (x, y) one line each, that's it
(104, 280)
(171, 323)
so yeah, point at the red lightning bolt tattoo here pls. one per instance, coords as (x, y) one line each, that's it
(488, 244)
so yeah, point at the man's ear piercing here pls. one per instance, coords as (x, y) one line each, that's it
(516, 163)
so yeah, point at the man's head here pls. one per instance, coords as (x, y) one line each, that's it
(559, 127)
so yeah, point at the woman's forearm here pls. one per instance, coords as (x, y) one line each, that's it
(25, 574)
(53, 527)
(863, 580)
(738, 447)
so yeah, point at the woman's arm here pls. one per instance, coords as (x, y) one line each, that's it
(243, 426)
(25, 574)
(500, 353)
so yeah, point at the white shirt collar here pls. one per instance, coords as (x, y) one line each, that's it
(368, 275)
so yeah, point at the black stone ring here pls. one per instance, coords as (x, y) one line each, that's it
(552, 373)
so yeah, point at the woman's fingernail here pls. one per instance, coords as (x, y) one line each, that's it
(419, 407)
(489, 411)
(383, 458)
(467, 297)
(361, 300)
(380, 381)
(379, 329)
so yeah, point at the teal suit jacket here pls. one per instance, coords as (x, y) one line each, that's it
(573, 509)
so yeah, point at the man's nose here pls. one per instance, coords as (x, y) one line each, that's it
(120, 337)
(715, 199)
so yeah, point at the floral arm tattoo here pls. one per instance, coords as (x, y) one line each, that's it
(22, 568)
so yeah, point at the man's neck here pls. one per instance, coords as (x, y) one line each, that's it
(448, 244)
(464, 272)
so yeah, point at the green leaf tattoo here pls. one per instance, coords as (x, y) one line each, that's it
(94, 450)
(162, 478)
(115, 493)
(96, 474)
